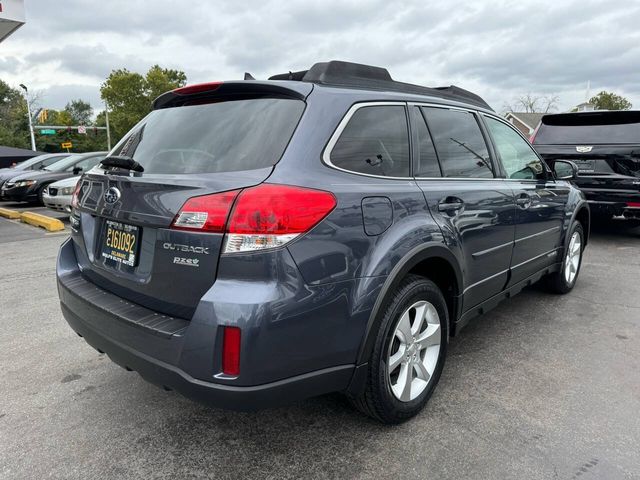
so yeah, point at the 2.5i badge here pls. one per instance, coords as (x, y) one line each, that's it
(189, 262)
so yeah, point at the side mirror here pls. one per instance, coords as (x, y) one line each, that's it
(77, 170)
(565, 170)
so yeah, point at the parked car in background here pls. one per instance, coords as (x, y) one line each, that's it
(35, 163)
(57, 195)
(605, 145)
(29, 187)
(331, 235)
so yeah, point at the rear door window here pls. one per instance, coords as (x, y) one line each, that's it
(459, 143)
(375, 142)
(232, 135)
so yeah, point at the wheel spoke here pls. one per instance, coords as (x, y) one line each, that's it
(431, 336)
(396, 359)
(406, 372)
(422, 371)
(404, 327)
(418, 320)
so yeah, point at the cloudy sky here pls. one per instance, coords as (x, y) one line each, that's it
(498, 49)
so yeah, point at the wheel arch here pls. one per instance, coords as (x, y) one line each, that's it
(431, 260)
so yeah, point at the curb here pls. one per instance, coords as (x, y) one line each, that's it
(12, 214)
(48, 223)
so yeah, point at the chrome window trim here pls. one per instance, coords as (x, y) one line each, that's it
(326, 155)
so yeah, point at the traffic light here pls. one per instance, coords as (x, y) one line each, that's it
(43, 116)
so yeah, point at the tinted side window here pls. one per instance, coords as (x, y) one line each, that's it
(517, 157)
(375, 141)
(459, 142)
(49, 161)
(427, 165)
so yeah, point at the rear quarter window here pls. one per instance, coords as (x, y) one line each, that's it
(232, 135)
(375, 141)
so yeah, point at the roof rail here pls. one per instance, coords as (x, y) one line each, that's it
(356, 75)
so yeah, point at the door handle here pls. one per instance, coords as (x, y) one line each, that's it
(451, 205)
(523, 201)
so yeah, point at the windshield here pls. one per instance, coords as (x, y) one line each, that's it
(589, 129)
(62, 165)
(226, 136)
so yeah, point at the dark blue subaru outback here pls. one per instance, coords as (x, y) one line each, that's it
(251, 243)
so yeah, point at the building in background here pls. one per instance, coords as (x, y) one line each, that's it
(11, 17)
(524, 121)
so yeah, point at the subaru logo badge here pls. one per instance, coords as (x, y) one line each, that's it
(112, 195)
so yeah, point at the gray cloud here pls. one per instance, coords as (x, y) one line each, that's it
(500, 49)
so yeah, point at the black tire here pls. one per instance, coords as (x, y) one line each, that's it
(557, 282)
(40, 200)
(377, 399)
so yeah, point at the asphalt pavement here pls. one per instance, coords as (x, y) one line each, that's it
(543, 387)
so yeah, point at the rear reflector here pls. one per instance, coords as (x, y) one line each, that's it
(198, 88)
(231, 351)
(207, 213)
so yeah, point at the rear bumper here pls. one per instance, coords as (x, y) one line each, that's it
(225, 396)
(179, 354)
(613, 202)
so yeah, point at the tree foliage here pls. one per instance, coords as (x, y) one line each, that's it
(14, 127)
(610, 101)
(129, 95)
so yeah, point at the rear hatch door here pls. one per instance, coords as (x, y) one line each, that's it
(196, 144)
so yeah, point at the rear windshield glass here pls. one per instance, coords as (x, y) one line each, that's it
(227, 136)
(590, 129)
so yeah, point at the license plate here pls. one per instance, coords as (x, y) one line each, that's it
(586, 166)
(120, 243)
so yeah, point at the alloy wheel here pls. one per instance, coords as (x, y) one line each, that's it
(413, 351)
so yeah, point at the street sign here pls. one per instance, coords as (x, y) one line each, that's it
(48, 131)
(66, 145)
(82, 129)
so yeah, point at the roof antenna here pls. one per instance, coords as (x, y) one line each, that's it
(248, 76)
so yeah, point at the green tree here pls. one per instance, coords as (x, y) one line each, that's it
(610, 101)
(129, 95)
(14, 126)
(80, 112)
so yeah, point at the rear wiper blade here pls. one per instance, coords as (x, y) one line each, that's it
(125, 162)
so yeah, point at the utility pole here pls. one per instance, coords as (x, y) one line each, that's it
(106, 117)
(33, 138)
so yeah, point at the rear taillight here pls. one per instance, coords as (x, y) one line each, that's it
(75, 197)
(207, 213)
(269, 216)
(633, 204)
(231, 351)
(266, 216)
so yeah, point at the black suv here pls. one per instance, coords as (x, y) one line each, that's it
(605, 145)
(250, 243)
